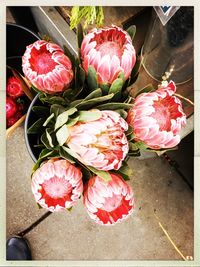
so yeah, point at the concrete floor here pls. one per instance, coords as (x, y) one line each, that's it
(74, 236)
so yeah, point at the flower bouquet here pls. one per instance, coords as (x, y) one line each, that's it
(86, 125)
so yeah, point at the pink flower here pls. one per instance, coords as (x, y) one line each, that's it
(57, 185)
(108, 202)
(157, 118)
(47, 67)
(110, 51)
(102, 143)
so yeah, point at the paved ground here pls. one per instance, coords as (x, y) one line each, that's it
(74, 236)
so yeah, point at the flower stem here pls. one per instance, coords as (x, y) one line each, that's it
(170, 239)
(33, 225)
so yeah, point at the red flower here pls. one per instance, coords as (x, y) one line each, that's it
(57, 185)
(14, 88)
(108, 202)
(13, 119)
(47, 67)
(11, 107)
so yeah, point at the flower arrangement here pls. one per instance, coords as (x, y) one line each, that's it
(88, 125)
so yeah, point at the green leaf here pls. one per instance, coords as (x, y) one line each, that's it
(133, 146)
(79, 35)
(63, 117)
(35, 89)
(49, 138)
(92, 78)
(45, 153)
(75, 102)
(90, 115)
(122, 76)
(132, 31)
(125, 170)
(96, 93)
(147, 89)
(141, 145)
(57, 109)
(105, 88)
(134, 151)
(71, 111)
(70, 152)
(62, 135)
(48, 119)
(79, 78)
(36, 166)
(135, 70)
(68, 94)
(72, 93)
(81, 74)
(55, 100)
(36, 127)
(69, 55)
(122, 113)
(87, 104)
(45, 141)
(41, 111)
(116, 86)
(103, 174)
(159, 152)
(130, 137)
(73, 121)
(86, 174)
(129, 131)
(114, 105)
(42, 97)
(65, 155)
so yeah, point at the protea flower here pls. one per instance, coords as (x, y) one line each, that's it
(157, 118)
(108, 202)
(57, 185)
(102, 143)
(110, 51)
(13, 88)
(47, 67)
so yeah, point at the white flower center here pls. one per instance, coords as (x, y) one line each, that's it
(57, 187)
(112, 203)
(109, 48)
